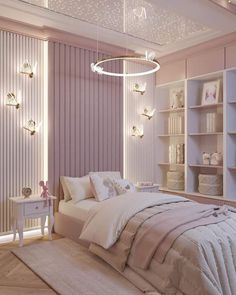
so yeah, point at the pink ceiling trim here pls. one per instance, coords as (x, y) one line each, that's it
(226, 5)
(219, 42)
(50, 34)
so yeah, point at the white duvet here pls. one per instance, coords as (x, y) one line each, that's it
(106, 221)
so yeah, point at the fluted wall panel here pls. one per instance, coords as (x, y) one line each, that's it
(139, 153)
(85, 114)
(21, 155)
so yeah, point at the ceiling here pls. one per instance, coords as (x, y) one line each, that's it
(160, 25)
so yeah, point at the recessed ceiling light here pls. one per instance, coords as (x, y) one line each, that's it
(232, 1)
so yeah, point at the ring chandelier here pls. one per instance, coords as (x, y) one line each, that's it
(148, 59)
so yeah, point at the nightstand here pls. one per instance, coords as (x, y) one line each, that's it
(32, 207)
(148, 189)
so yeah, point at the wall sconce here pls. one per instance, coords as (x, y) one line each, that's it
(27, 69)
(31, 127)
(148, 113)
(12, 100)
(137, 132)
(141, 88)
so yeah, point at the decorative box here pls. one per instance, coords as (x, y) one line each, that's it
(210, 184)
(175, 180)
(154, 188)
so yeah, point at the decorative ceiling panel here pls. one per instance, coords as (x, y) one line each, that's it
(138, 18)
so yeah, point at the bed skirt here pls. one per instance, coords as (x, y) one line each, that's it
(69, 227)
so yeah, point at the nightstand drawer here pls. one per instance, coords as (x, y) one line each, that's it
(35, 208)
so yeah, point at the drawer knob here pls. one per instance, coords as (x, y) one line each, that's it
(36, 207)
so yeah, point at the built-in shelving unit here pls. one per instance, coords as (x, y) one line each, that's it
(172, 110)
(205, 133)
(206, 166)
(170, 164)
(171, 135)
(210, 106)
(195, 135)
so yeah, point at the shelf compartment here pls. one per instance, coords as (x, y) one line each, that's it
(206, 166)
(170, 135)
(205, 133)
(166, 189)
(170, 164)
(232, 168)
(208, 106)
(171, 110)
(197, 194)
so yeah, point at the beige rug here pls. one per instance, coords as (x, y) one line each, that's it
(70, 269)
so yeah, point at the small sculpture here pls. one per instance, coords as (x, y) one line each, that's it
(140, 87)
(148, 113)
(216, 159)
(206, 158)
(137, 132)
(26, 192)
(45, 194)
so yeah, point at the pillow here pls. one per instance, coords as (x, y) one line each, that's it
(77, 188)
(123, 186)
(66, 193)
(102, 187)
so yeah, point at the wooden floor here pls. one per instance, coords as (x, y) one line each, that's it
(15, 277)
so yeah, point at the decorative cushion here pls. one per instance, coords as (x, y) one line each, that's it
(76, 188)
(66, 193)
(102, 186)
(123, 186)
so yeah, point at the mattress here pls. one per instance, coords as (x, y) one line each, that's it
(79, 210)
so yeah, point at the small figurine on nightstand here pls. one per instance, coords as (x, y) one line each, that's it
(45, 193)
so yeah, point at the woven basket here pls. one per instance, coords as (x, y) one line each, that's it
(210, 184)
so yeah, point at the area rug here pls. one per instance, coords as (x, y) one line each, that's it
(70, 269)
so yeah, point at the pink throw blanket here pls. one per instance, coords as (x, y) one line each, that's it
(160, 231)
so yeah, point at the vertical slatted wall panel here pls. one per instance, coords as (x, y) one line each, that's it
(139, 154)
(85, 115)
(21, 155)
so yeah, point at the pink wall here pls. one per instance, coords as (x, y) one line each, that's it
(85, 115)
(212, 56)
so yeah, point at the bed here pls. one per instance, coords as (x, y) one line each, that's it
(70, 218)
(195, 256)
(200, 260)
(74, 204)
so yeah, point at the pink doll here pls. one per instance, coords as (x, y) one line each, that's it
(45, 194)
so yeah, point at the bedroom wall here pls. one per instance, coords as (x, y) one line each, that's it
(85, 114)
(21, 155)
(139, 153)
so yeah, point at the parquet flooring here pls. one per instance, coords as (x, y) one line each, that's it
(15, 277)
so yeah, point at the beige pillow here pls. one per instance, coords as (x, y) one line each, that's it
(66, 193)
(102, 186)
(78, 188)
(123, 186)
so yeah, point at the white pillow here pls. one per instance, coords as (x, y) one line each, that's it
(123, 186)
(79, 188)
(102, 187)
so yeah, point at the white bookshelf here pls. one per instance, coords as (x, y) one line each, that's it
(195, 136)
(162, 137)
